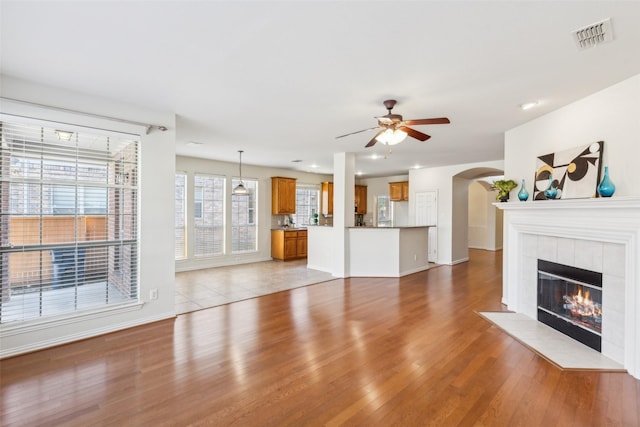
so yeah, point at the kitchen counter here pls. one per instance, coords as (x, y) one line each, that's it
(373, 251)
(289, 228)
(383, 228)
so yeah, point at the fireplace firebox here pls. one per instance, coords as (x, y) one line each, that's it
(570, 301)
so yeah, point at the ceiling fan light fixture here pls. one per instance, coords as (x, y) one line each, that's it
(391, 136)
(240, 189)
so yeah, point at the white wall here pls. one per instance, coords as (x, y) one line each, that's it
(611, 115)
(452, 240)
(485, 221)
(192, 166)
(157, 161)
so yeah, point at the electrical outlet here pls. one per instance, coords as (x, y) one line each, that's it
(153, 293)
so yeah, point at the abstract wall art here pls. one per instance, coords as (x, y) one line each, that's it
(574, 172)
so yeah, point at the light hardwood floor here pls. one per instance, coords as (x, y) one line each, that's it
(360, 351)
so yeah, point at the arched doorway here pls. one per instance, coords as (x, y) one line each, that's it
(485, 229)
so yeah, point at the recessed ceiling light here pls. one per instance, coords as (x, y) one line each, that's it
(194, 143)
(529, 105)
(314, 166)
(374, 156)
(416, 167)
(64, 135)
(359, 173)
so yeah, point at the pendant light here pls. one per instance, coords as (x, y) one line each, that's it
(240, 189)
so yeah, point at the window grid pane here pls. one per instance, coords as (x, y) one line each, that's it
(307, 204)
(244, 226)
(209, 215)
(68, 220)
(180, 219)
(384, 211)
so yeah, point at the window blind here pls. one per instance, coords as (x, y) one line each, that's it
(180, 212)
(244, 222)
(69, 226)
(208, 212)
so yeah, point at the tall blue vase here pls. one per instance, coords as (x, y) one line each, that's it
(606, 187)
(551, 192)
(523, 194)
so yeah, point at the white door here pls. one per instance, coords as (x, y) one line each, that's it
(427, 214)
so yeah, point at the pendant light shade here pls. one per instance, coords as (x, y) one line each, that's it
(240, 189)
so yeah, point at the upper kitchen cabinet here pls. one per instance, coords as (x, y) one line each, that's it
(283, 195)
(361, 199)
(327, 198)
(399, 191)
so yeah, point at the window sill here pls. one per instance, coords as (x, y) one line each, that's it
(16, 328)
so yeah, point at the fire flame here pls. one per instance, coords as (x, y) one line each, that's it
(582, 305)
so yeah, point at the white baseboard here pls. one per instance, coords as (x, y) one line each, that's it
(40, 345)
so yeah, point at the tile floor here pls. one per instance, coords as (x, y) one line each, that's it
(551, 344)
(210, 287)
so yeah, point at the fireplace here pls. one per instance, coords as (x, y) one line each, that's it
(600, 235)
(570, 301)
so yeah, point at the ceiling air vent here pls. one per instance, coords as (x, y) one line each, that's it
(594, 34)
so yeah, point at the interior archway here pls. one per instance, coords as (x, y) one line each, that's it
(462, 230)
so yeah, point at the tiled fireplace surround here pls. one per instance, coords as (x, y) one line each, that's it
(601, 235)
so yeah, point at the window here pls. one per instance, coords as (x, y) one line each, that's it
(68, 218)
(384, 211)
(208, 215)
(198, 195)
(52, 198)
(181, 216)
(307, 204)
(244, 227)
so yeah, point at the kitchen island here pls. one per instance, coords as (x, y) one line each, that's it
(372, 251)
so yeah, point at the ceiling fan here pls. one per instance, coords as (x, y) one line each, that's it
(393, 129)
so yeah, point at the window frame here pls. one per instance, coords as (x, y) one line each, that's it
(68, 244)
(304, 209)
(215, 216)
(249, 229)
(180, 221)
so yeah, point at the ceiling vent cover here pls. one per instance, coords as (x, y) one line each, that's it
(594, 34)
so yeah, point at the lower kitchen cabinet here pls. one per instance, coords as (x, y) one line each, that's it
(288, 244)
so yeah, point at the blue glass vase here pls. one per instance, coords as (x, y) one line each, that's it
(523, 194)
(551, 192)
(606, 187)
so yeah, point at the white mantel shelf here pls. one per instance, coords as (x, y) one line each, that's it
(595, 203)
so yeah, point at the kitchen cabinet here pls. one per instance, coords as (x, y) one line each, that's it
(399, 191)
(288, 244)
(327, 198)
(361, 199)
(283, 195)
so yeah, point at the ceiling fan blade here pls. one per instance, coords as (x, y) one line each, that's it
(353, 133)
(435, 121)
(415, 134)
(373, 140)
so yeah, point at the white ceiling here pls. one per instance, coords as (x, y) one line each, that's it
(280, 80)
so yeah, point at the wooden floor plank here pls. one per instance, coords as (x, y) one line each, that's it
(359, 351)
